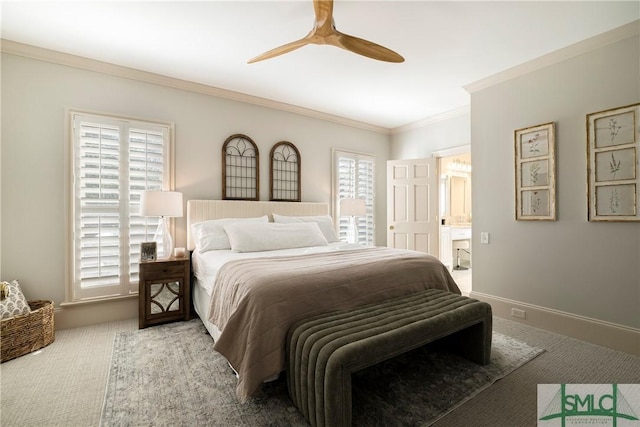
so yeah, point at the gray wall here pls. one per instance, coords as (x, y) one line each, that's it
(587, 269)
(439, 133)
(35, 96)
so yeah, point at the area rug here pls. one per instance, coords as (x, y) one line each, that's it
(170, 376)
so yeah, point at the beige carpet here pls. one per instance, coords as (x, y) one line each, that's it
(63, 384)
(512, 401)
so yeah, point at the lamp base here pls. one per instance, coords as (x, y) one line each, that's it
(163, 239)
(352, 231)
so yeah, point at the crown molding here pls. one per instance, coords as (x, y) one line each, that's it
(456, 112)
(453, 151)
(75, 61)
(621, 33)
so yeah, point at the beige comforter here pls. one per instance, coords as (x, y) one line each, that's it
(254, 302)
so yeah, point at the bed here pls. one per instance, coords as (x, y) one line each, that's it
(247, 300)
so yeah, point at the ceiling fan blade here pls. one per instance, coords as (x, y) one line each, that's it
(280, 50)
(365, 48)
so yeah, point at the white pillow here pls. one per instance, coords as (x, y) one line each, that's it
(254, 236)
(210, 235)
(324, 222)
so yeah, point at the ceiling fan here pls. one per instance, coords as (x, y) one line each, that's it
(324, 32)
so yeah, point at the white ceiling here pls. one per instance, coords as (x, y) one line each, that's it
(446, 45)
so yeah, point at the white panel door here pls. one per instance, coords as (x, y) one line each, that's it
(412, 205)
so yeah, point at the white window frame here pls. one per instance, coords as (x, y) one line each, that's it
(127, 283)
(367, 224)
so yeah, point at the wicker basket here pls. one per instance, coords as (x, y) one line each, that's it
(29, 332)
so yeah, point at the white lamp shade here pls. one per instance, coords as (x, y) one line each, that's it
(353, 207)
(161, 203)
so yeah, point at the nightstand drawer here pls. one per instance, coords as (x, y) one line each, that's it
(161, 270)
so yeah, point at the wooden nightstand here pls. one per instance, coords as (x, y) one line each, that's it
(165, 291)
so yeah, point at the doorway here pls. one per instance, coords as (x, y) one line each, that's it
(454, 177)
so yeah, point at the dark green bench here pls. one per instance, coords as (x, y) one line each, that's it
(323, 351)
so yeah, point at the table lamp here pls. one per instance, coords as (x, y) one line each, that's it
(353, 208)
(163, 204)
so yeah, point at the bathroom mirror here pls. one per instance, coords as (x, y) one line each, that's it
(458, 196)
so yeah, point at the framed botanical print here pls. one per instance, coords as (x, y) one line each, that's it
(535, 173)
(613, 174)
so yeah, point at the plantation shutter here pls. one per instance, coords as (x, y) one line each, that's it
(114, 160)
(355, 179)
(147, 165)
(98, 203)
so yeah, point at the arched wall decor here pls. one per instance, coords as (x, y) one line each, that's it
(240, 169)
(284, 172)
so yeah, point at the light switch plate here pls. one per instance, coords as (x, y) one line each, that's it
(484, 238)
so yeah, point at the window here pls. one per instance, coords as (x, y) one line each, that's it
(113, 161)
(354, 177)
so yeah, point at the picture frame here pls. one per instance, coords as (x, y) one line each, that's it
(535, 177)
(148, 251)
(240, 168)
(613, 171)
(285, 173)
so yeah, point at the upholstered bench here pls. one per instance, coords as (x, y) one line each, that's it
(323, 351)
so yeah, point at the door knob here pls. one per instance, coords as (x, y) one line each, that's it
(391, 227)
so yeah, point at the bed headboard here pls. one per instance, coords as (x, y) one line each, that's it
(202, 210)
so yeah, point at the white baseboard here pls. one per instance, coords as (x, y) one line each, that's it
(595, 331)
(607, 334)
(74, 316)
